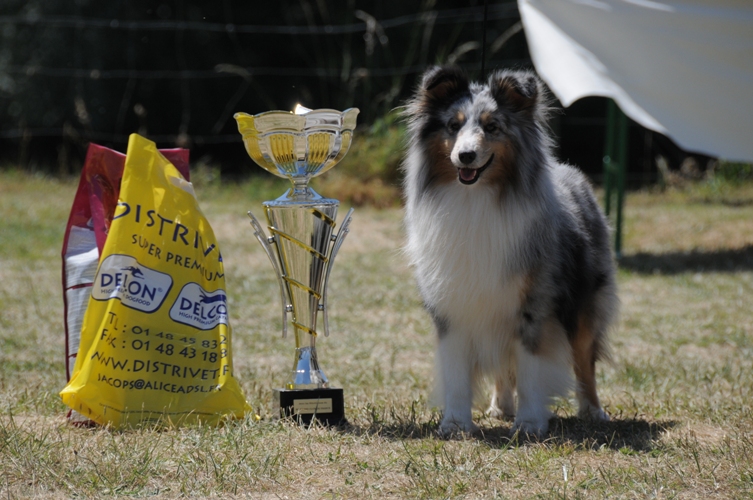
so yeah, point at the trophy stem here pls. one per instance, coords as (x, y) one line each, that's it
(301, 189)
(307, 374)
(304, 243)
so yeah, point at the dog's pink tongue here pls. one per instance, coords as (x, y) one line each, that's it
(468, 174)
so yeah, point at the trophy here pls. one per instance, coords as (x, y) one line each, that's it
(303, 245)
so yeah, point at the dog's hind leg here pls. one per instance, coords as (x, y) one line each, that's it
(503, 400)
(584, 362)
(456, 371)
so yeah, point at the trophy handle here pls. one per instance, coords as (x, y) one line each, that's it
(341, 234)
(265, 243)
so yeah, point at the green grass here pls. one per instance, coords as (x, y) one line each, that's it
(680, 387)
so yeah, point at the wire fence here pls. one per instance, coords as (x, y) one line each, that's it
(447, 16)
(376, 78)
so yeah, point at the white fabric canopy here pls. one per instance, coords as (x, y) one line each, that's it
(681, 68)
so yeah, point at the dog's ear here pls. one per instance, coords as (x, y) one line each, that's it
(519, 91)
(442, 84)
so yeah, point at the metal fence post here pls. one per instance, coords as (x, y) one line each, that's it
(615, 167)
(608, 158)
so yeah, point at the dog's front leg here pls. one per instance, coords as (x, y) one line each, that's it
(542, 373)
(533, 380)
(456, 373)
(532, 376)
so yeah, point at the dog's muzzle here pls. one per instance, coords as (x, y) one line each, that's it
(471, 175)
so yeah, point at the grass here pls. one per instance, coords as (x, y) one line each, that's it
(680, 388)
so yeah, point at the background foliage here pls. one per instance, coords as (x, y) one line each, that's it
(177, 70)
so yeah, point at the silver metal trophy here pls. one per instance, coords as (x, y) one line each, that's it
(302, 247)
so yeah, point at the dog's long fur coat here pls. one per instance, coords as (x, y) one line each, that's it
(510, 250)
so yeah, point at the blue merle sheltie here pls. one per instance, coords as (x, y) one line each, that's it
(509, 248)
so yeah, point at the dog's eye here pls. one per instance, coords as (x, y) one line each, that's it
(453, 126)
(491, 128)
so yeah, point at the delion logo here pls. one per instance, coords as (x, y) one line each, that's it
(136, 286)
(198, 308)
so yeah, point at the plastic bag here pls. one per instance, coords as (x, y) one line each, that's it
(156, 341)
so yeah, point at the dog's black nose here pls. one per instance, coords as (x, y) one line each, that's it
(467, 157)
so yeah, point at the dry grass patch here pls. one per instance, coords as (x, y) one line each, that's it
(679, 388)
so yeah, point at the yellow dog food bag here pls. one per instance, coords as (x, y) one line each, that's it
(156, 340)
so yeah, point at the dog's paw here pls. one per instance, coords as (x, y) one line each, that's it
(452, 428)
(593, 413)
(531, 427)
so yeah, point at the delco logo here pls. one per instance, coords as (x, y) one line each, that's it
(136, 286)
(198, 308)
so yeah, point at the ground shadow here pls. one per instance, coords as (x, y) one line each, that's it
(633, 435)
(696, 261)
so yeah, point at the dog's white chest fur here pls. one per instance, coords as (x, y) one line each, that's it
(462, 242)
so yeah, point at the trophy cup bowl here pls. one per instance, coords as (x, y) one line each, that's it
(302, 247)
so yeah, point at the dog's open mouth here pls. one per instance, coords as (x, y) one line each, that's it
(471, 175)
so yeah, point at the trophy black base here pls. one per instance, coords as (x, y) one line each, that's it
(326, 405)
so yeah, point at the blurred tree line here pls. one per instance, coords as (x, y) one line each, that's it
(176, 71)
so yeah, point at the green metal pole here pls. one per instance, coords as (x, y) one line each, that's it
(608, 156)
(622, 141)
(615, 166)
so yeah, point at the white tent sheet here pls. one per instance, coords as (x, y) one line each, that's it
(682, 68)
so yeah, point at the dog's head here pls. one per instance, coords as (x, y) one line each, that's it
(476, 133)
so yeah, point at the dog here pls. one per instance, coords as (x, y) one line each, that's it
(509, 248)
